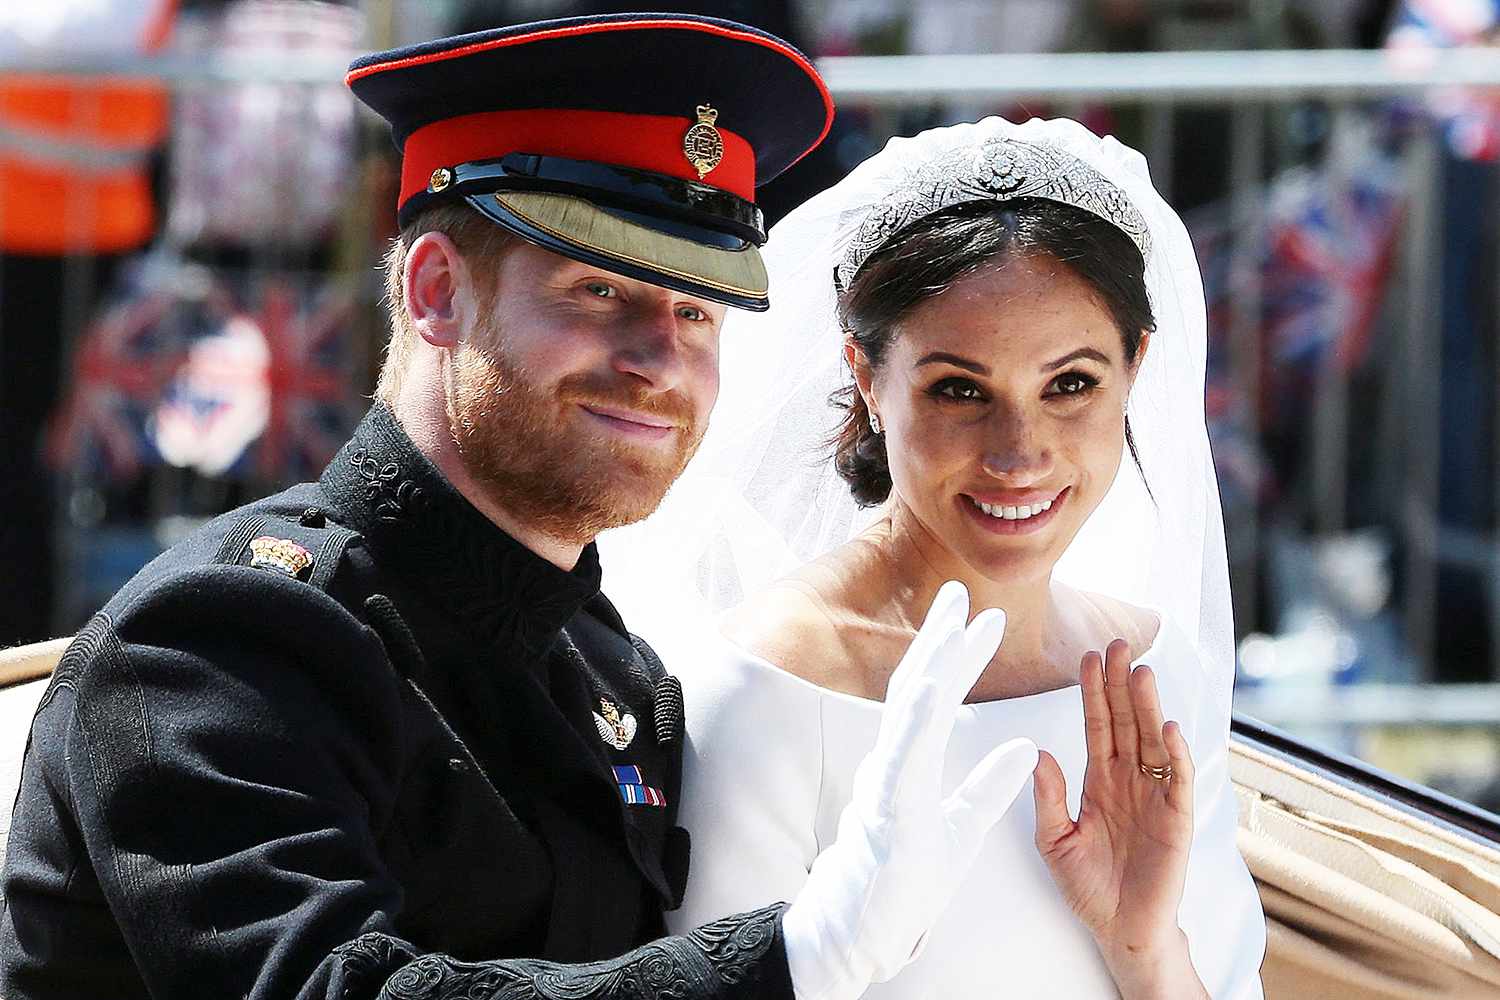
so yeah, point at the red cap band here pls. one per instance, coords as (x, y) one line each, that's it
(644, 142)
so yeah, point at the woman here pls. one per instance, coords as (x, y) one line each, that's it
(1004, 296)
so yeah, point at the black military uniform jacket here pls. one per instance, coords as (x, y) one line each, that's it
(385, 776)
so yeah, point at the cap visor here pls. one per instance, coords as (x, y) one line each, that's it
(579, 229)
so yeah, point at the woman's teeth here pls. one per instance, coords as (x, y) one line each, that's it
(1012, 513)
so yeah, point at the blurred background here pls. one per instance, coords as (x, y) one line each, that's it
(192, 208)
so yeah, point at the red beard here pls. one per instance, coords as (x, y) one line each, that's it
(534, 452)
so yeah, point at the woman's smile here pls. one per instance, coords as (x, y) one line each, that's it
(1013, 519)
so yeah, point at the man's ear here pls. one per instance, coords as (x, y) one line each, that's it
(436, 289)
(854, 356)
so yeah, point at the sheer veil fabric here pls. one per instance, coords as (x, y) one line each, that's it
(761, 497)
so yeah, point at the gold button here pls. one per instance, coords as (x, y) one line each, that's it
(441, 178)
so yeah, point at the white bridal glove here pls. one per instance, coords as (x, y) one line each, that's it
(903, 849)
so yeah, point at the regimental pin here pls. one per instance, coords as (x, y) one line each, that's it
(703, 145)
(614, 729)
(440, 179)
(280, 554)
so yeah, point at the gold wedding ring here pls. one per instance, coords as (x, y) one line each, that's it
(1162, 773)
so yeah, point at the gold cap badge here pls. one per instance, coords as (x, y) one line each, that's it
(703, 145)
(280, 554)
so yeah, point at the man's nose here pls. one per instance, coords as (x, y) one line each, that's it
(649, 347)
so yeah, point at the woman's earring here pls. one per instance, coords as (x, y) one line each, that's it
(874, 423)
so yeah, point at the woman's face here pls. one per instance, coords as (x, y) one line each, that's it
(1003, 406)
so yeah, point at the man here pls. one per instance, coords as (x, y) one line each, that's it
(381, 734)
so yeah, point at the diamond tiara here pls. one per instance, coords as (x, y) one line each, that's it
(998, 169)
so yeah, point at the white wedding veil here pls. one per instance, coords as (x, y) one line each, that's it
(761, 497)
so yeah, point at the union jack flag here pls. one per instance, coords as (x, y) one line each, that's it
(1470, 117)
(312, 377)
(123, 360)
(1323, 260)
(136, 374)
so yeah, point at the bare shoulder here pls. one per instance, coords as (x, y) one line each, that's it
(1114, 618)
(792, 625)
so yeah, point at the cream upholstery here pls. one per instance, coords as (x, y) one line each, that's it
(20, 664)
(23, 678)
(1363, 900)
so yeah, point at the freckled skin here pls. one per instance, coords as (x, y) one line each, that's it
(1019, 426)
(557, 317)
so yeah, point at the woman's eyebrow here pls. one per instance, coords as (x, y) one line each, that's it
(1083, 352)
(943, 357)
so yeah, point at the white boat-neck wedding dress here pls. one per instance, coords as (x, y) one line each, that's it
(769, 763)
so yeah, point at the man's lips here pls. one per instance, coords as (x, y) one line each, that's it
(644, 426)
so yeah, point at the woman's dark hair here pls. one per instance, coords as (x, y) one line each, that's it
(931, 255)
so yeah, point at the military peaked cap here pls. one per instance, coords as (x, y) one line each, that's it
(633, 142)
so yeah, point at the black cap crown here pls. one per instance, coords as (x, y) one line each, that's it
(631, 141)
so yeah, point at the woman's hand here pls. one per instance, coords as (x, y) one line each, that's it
(903, 848)
(1122, 864)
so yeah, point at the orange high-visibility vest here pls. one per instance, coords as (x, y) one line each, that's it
(74, 157)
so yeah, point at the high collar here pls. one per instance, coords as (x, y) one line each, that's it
(410, 515)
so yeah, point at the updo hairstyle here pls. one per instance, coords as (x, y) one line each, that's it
(930, 255)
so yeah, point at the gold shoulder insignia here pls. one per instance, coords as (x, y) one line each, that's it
(281, 555)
